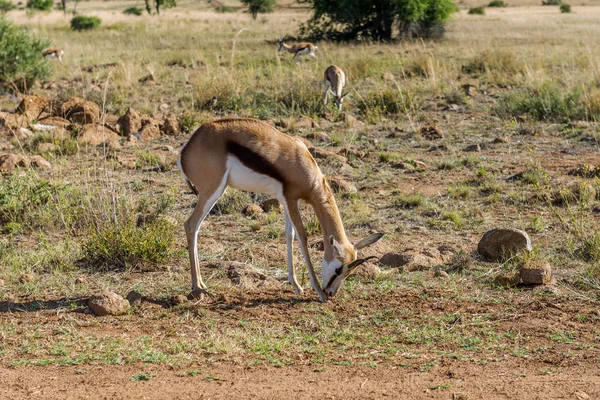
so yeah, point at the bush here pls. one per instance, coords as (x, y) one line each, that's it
(565, 8)
(133, 10)
(256, 7)
(498, 3)
(552, 3)
(20, 62)
(224, 9)
(83, 23)
(41, 5)
(6, 5)
(477, 11)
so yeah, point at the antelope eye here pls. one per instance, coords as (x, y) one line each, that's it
(338, 270)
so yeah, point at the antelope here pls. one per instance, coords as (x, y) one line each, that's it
(298, 49)
(251, 155)
(335, 79)
(53, 53)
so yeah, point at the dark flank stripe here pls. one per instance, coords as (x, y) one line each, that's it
(254, 161)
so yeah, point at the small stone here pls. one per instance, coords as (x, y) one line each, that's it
(178, 299)
(24, 133)
(441, 274)
(95, 134)
(252, 210)
(538, 272)
(499, 244)
(134, 298)
(387, 76)
(196, 295)
(2, 283)
(581, 395)
(351, 121)
(469, 89)
(80, 280)
(501, 139)
(305, 122)
(9, 162)
(473, 147)
(369, 271)
(432, 132)
(26, 278)
(508, 279)
(339, 185)
(318, 135)
(272, 205)
(108, 303)
(39, 162)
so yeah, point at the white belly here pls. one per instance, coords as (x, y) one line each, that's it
(243, 178)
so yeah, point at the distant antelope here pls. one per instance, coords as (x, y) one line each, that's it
(53, 53)
(335, 79)
(251, 155)
(298, 49)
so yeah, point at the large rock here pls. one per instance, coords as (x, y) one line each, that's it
(131, 121)
(170, 126)
(12, 121)
(108, 303)
(245, 275)
(80, 111)
(272, 205)
(500, 244)
(9, 162)
(538, 272)
(150, 131)
(252, 210)
(95, 134)
(410, 261)
(33, 107)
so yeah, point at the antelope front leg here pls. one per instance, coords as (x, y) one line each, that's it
(289, 238)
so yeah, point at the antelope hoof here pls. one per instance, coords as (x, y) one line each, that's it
(198, 294)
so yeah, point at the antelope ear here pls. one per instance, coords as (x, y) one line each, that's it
(337, 248)
(345, 94)
(374, 238)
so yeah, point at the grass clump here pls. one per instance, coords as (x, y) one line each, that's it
(133, 10)
(40, 5)
(488, 61)
(498, 4)
(232, 202)
(6, 6)
(224, 9)
(552, 2)
(565, 8)
(387, 102)
(590, 249)
(85, 23)
(148, 160)
(477, 10)
(408, 201)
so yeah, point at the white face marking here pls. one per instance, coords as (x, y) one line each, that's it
(329, 272)
(243, 178)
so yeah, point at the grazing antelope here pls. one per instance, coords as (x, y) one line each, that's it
(53, 53)
(251, 155)
(298, 49)
(335, 79)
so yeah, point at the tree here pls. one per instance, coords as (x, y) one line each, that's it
(41, 5)
(256, 7)
(345, 20)
(158, 4)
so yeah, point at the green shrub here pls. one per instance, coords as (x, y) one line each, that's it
(20, 62)
(84, 23)
(6, 5)
(477, 10)
(41, 5)
(133, 10)
(552, 3)
(233, 201)
(407, 200)
(565, 8)
(590, 249)
(256, 7)
(497, 3)
(224, 9)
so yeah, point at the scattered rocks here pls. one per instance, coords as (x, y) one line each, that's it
(134, 298)
(80, 280)
(499, 244)
(178, 299)
(272, 205)
(94, 134)
(80, 111)
(26, 278)
(432, 132)
(538, 272)
(108, 303)
(23, 133)
(339, 185)
(252, 210)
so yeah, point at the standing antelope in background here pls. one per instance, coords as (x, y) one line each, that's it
(251, 155)
(335, 79)
(53, 53)
(298, 49)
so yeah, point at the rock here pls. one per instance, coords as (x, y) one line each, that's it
(12, 121)
(131, 121)
(80, 280)
(147, 78)
(252, 210)
(305, 122)
(318, 135)
(388, 76)
(501, 139)
(32, 107)
(581, 395)
(339, 185)
(95, 135)
(26, 278)
(473, 147)
(178, 299)
(108, 303)
(9, 162)
(538, 272)
(412, 260)
(23, 133)
(432, 132)
(327, 116)
(150, 131)
(43, 128)
(80, 111)
(508, 279)
(127, 162)
(351, 121)
(469, 90)
(441, 274)
(272, 205)
(168, 148)
(196, 295)
(244, 275)
(134, 298)
(39, 162)
(54, 121)
(369, 271)
(2, 283)
(170, 126)
(499, 244)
